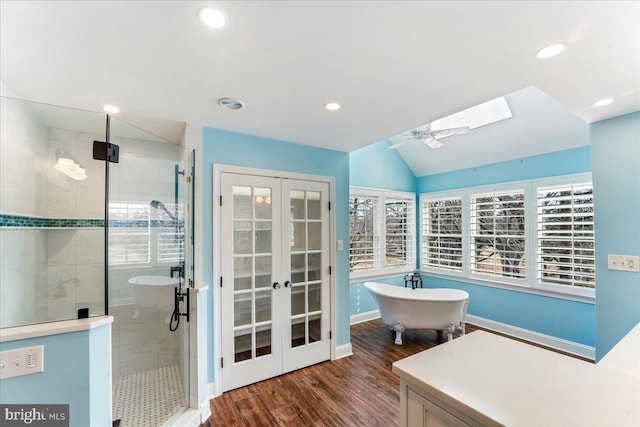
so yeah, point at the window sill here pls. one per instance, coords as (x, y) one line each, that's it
(516, 288)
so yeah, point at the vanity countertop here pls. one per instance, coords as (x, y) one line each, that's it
(500, 381)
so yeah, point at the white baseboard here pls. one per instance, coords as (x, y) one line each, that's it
(344, 351)
(190, 418)
(365, 317)
(536, 337)
(205, 409)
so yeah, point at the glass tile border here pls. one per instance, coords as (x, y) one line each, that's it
(19, 221)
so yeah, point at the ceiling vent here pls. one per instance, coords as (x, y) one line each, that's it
(231, 103)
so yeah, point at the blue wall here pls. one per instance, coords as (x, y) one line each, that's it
(377, 166)
(575, 160)
(569, 320)
(77, 371)
(616, 174)
(232, 148)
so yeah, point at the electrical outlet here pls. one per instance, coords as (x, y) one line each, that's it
(21, 361)
(624, 263)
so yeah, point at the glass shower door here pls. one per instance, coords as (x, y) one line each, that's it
(147, 209)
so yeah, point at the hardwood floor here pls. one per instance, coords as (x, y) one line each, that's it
(359, 390)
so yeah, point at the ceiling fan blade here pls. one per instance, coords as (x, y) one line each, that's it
(400, 144)
(448, 132)
(432, 143)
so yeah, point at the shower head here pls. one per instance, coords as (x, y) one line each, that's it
(156, 204)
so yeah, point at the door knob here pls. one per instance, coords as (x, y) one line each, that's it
(276, 285)
(287, 284)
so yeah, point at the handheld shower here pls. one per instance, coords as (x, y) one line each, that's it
(159, 205)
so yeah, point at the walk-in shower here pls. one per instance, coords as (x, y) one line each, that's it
(71, 230)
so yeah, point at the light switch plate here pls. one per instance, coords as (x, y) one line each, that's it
(624, 263)
(21, 361)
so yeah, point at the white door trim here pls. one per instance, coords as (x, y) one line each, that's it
(218, 170)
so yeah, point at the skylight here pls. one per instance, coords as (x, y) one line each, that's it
(481, 115)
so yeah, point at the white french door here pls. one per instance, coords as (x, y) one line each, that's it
(275, 297)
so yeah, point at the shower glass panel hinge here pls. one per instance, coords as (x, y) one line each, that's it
(106, 151)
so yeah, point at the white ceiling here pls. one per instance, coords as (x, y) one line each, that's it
(393, 65)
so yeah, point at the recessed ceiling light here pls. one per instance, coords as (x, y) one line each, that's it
(551, 50)
(110, 109)
(231, 103)
(212, 18)
(603, 102)
(332, 106)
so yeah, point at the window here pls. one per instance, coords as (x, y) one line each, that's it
(136, 237)
(442, 236)
(538, 235)
(129, 233)
(170, 246)
(566, 252)
(381, 232)
(498, 233)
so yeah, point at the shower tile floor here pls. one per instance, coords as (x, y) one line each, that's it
(148, 398)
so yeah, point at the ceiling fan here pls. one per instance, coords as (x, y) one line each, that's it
(430, 137)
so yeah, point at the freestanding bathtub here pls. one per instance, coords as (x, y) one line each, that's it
(442, 309)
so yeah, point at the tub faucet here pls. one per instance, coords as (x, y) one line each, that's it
(413, 278)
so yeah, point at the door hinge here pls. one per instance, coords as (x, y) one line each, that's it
(220, 281)
(222, 362)
(220, 200)
(329, 269)
(329, 205)
(330, 334)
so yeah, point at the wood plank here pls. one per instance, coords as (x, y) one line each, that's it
(359, 390)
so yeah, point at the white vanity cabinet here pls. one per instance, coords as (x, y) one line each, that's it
(482, 379)
(422, 412)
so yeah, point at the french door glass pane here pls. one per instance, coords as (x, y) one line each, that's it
(263, 306)
(297, 300)
(314, 267)
(298, 264)
(298, 333)
(262, 201)
(314, 297)
(313, 205)
(263, 237)
(242, 309)
(315, 328)
(263, 340)
(297, 204)
(242, 345)
(242, 237)
(242, 271)
(298, 236)
(263, 272)
(241, 202)
(315, 236)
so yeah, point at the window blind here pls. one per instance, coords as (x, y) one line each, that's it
(565, 232)
(442, 233)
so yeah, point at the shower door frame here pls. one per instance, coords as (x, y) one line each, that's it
(218, 170)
